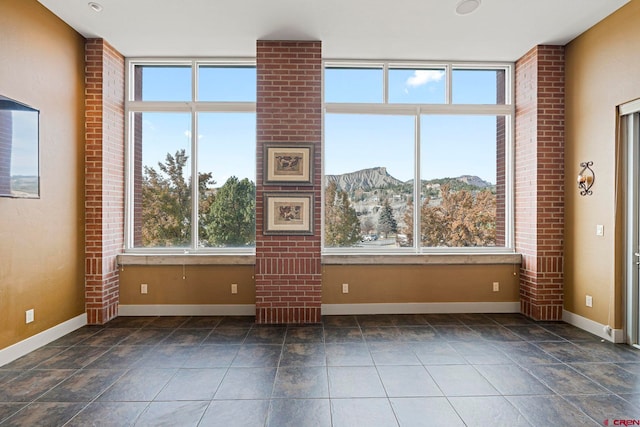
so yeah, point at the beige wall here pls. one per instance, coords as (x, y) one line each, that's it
(419, 283)
(603, 71)
(41, 241)
(192, 284)
(367, 284)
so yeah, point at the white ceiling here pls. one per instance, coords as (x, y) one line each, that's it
(499, 30)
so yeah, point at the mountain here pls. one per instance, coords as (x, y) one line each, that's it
(378, 177)
(474, 181)
(365, 179)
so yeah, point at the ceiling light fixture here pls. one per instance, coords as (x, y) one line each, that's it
(465, 7)
(96, 7)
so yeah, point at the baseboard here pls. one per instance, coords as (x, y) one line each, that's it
(616, 336)
(30, 344)
(187, 310)
(425, 308)
(327, 309)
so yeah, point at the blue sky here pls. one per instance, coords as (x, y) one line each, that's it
(24, 151)
(226, 142)
(450, 145)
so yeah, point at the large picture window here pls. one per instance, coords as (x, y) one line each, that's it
(368, 178)
(417, 158)
(191, 156)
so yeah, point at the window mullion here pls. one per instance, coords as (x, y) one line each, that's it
(385, 84)
(448, 90)
(417, 188)
(195, 187)
(129, 177)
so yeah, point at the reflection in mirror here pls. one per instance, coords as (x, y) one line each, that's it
(19, 165)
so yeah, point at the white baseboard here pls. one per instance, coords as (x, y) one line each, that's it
(187, 310)
(327, 309)
(616, 336)
(30, 344)
(423, 308)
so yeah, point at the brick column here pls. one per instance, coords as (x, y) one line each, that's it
(104, 178)
(289, 110)
(6, 132)
(539, 181)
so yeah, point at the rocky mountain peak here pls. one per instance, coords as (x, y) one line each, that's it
(376, 177)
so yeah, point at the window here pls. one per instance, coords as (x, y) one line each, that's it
(459, 174)
(444, 126)
(417, 85)
(191, 156)
(353, 84)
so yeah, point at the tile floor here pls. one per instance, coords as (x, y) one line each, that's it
(384, 370)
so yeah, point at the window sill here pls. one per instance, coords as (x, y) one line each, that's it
(186, 259)
(418, 259)
(423, 259)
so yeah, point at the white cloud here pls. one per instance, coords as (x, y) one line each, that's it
(422, 77)
(187, 133)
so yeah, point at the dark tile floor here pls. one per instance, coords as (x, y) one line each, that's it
(384, 370)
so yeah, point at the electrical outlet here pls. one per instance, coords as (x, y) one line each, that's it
(143, 288)
(29, 316)
(496, 286)
(234, 288)
(589, 301)
(345, 288)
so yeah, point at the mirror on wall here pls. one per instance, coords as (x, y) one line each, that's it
(19, 150)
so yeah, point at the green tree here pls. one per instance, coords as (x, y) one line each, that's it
(460, 220)
(386, 222)
(342, 226)
(166, 202)
(232, 219)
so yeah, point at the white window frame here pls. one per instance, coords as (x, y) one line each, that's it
(417, 110)
(193, 107)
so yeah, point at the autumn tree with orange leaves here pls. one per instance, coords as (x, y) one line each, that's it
(461, 219)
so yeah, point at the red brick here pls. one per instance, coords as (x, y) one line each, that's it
(539, 180)
(104, 178)
(289, 109)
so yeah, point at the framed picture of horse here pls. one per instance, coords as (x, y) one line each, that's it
(288, 164)
(288, 213)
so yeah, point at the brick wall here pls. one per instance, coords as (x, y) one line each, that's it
(289, 109)
(539, 180)
(104, 178)
(137, 163)
(500, 162)
(6, 131)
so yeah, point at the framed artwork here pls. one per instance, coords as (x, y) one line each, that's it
(288, 164)
(288, 213)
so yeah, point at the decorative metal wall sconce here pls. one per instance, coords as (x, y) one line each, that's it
(586, 178)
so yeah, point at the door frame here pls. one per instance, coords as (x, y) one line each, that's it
(629, 115)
